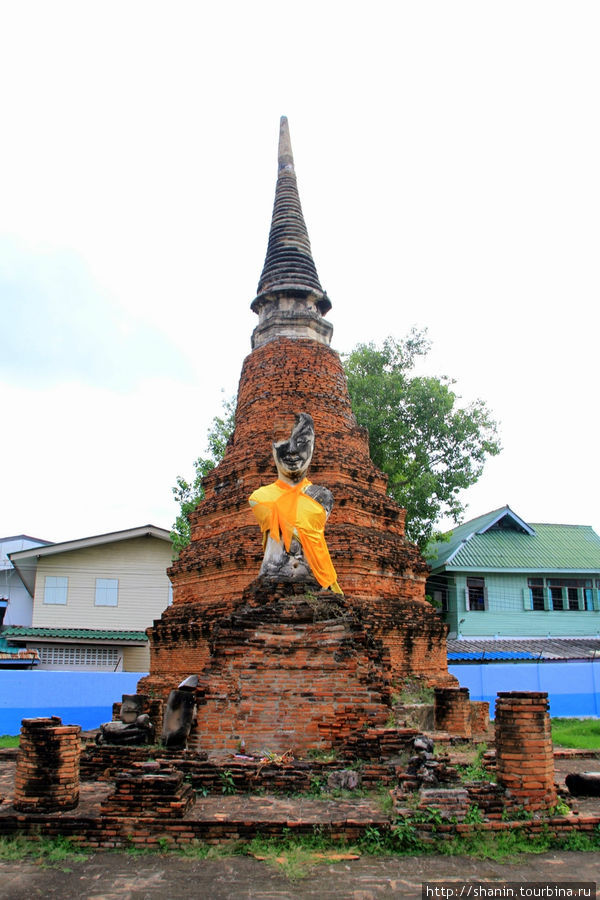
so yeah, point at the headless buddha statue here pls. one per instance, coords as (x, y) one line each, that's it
(292, 513)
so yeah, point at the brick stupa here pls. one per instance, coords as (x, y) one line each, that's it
(285, 666)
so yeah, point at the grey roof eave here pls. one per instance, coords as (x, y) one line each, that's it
(25, 561)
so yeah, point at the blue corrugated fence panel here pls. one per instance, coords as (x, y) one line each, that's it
(573, 688)
(79, 698)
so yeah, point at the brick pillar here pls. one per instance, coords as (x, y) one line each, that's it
(47, 776)
(452, 711)
(524, 756)
(480, 716)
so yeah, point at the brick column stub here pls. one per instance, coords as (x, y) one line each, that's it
(452, 711)
(524, 753)
(47, 775)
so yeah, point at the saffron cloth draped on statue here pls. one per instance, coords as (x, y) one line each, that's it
(285, 511)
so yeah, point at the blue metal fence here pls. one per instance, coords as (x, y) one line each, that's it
(79, 698)
(86, 698)
(573, 687)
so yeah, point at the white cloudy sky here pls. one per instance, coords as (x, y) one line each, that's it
(447, 156)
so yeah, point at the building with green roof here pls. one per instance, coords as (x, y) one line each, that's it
(499, 576)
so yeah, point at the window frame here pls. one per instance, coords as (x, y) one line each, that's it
(107, 592)
(56, 590)
(482, 599)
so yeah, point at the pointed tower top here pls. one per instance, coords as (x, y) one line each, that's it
(285, 155)
(289, 271)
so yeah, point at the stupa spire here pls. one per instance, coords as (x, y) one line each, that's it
(290, 301)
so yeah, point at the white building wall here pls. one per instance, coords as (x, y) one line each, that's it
(20, 603)
(140, 566)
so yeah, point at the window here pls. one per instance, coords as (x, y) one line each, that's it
(55, 589)
(572, 594)
(107, 591)
(79, 655)
(536, 592)
(440, 599)
(476, 594)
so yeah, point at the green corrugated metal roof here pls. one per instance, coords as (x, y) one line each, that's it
(73, 633)
(550, 547)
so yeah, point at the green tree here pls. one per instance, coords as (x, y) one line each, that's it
(430, 447)
(188, 494)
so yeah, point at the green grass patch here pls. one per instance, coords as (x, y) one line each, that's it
(9, 740)
(294, 855)
(53, 852)
(581, 734)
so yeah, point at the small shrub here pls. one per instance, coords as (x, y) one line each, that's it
(227, 782)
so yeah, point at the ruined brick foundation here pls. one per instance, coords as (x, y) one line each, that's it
(524, 759)
(47, 777)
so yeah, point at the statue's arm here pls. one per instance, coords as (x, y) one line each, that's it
(322, 495)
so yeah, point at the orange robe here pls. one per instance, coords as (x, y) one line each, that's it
(283, 511)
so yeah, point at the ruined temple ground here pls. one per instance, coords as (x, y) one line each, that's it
(105, 875)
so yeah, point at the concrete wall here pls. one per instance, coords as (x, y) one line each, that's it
(79, 698)
(573, 687)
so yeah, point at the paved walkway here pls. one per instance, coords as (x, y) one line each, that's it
(119, 876)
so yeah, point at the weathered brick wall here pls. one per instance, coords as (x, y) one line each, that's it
(480, 716)
(413, 635)
(452, 711)
(289, 671)
(524, 758)
(149, 790)
(47, 776)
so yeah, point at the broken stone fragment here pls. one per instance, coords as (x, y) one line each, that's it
(584, 784)
(423, 743)
(179, 716)
(345, 779)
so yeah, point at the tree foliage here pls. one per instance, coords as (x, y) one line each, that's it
(429, 445)
(188, 494)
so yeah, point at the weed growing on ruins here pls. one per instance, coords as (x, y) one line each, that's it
(295, 855)
(325, 754)
(386, 800)
(473, 815)
(227, 782)
(413, 690)
(561, 809)
(476, 771)
(318, 783)
(9, 740)
(516, 814)
(53, 852)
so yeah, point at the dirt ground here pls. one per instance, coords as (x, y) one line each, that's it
(119, 876)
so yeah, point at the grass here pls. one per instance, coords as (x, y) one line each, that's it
(9, 740)
(53, 852)
(296, 855)
(582, 734)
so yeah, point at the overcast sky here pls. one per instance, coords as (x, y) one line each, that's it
(448, 163)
